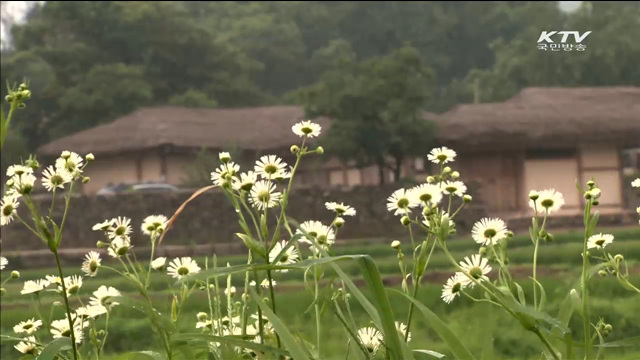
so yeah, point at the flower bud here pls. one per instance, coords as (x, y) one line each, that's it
(90, 157)
(483, 250)
(245, 297)
(590, 183)
(614, 272)
(608, 328)
(295, 149)
(549, 238)
(2, 290)
(320, 150)
(211, 286)
(534, 195)
(65, 154)
(9, 98)
(15, 274)
(32, 163)
(101, 244)
(405, 221)
(26, 94)
(85, 179)
(338, 222)
(202, 316)
(22, 106)
(603, 273)
(618, 258)
(23, 86)
(430, 179)
(395, 244)
(455, 175)
(542, 234)
(587, 195)
(467, 198)
(224, 157)
(10, 183)
(595, 202)
(595, 193)
(101, 333)
(509, 234)
(446, 170)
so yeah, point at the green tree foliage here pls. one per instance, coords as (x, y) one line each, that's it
(377, 108)
(92, 61)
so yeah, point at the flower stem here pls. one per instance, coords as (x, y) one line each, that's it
(318, 325)
(546, 343)
(584, 279)
(535, 263)
(66, 304)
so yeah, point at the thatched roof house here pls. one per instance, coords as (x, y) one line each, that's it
(540, 138)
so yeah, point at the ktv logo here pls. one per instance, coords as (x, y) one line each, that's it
(545, 41)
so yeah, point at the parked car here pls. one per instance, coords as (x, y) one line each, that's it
(130, 188)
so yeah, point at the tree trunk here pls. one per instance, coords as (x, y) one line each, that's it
(397, 169)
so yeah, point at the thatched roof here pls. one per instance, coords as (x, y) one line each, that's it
(537, 117)
(546, 118)
(248, 128)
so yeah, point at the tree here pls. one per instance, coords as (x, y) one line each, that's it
(376, 107)
(193, 98)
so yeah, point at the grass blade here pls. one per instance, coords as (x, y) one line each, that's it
(453, 343)
(296, 350)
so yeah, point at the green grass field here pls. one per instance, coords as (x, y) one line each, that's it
(486, 330)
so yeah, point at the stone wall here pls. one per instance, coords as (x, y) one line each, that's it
(210, 219)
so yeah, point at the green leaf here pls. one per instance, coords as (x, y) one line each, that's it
(431, 353)
(391, 334)
(142, 355)
(252, 244)
(543, 295)
(444, 332)
(593, 223)
(629, 342)
(231, 340)
(521, 296)
(54, 348)
(296, 350)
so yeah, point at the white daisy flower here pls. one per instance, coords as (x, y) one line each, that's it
(271, 167)
(90, 311)
(104, 226)
(263, 195)
(264, 283)
(340, 209)
(231, 291)
(636, 183)
(402, 329)
(457, 188)
(401, 201)
(119, 246)
(245, 182)
(477, 267)
(225, 172)
(452, 288)
(154, 225)
(9, 207)
(18, 170)
(288, 257)
(181, 267)
(549, 200)
(441, 155)
(370, 338)
(55, 178)
(70, 162)
(3, 262)
(23, 184)
(489, 231)
(324, 235)
(91, 263)
(121, 227)
(28, 327)
(72, 284)
(34, 286)
(159, 263)
(426, 194)
(60, 328)
(53, 280)
(28, 346)
(599, 241)
(204, 324)
(103, 297)
(306, 129)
